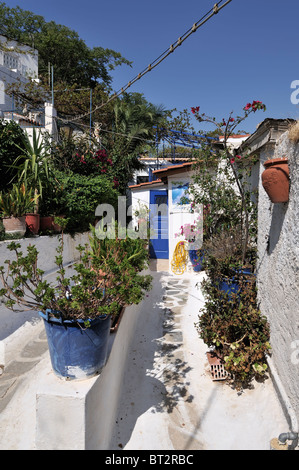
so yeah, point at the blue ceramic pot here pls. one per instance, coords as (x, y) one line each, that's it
(196, 260)
(77, 351)
(232, 286)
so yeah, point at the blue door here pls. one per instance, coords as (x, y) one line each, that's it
(159, 245)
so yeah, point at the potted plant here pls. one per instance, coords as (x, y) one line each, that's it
(78, 310)
(235, 331)
(223, 261)
(13, 206)
(230, 200)
(230, 322)
(52, 205)
(32, 167)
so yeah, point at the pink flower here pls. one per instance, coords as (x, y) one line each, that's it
(255, 105)
(231, 119)
(232, 160)
(195, 109)
(239, 156)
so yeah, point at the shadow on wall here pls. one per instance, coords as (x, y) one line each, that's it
(278, 215)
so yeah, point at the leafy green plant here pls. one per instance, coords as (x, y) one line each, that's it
(106, 277)
(232, 324)
(32, 164)
(11, 138)
(79, 197)
(18, 201)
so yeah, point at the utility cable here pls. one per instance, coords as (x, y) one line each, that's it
(213, 11)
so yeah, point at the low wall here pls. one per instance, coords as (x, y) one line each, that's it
(80, 415)
(46, 246)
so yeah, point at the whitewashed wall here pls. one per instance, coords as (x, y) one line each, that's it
(278, 259)
(278, 276)
(178, 218)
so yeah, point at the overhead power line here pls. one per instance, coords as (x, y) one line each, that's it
(213, 11)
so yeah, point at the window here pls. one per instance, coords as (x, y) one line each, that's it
(24, 70)
(10, 61)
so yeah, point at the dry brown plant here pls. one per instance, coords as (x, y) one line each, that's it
(294, 132)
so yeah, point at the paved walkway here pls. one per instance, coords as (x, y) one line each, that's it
(25, 360)
(169, 401)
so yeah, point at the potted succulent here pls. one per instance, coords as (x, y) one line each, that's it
(14, 204)
(78, 310)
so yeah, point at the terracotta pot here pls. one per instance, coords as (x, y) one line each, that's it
(46, 223)
(33, 223)
(14, 225)
(275, 179)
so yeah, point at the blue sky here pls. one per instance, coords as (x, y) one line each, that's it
(249, 51)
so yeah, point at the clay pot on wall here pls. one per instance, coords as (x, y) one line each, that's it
(275, 179)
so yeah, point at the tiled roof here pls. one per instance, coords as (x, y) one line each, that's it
(173, 169)
(147, 183)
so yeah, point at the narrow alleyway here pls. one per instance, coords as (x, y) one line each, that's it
(168, 400)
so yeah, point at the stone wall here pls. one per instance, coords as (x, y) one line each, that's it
(278, 252)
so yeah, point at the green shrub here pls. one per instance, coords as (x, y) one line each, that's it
(11, 138)
(232, 324)
(76, 197)
(107, 276)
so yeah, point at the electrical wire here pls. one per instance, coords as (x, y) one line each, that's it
(213, 11)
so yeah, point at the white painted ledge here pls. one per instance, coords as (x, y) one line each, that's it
(80, 415)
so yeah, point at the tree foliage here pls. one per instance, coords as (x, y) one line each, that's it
(62, 47)
(134, 123)
(11, 138)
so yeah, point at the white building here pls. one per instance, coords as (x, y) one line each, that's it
(17, 63)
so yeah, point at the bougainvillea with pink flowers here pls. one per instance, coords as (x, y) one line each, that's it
(230, 322)
(226, 128)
